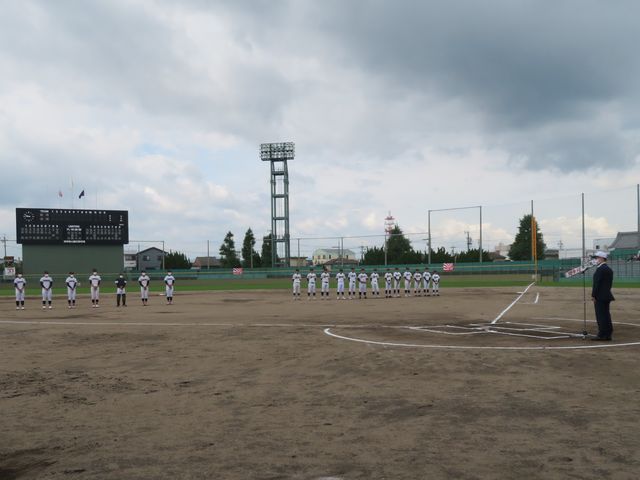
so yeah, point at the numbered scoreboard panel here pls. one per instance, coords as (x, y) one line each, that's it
(40, 226)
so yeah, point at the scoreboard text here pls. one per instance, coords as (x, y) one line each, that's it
(39, 226)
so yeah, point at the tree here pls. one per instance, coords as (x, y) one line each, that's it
(373, 256)
(521, 246)
(399, 249)
(228, 254)
(176, 260)
(250, 257)
(473, 256)
(265, 257)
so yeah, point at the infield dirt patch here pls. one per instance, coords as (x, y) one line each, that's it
(247, 385)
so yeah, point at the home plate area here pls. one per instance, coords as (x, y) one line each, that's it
(527, 330)
(540, 334)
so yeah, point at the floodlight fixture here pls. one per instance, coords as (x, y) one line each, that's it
(277, 151)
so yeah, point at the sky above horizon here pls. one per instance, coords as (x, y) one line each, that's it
(158, 107)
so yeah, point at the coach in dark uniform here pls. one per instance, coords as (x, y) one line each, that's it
(602, 297)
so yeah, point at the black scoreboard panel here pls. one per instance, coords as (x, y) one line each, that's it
(40, 226)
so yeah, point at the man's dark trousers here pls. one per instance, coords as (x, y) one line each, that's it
(603, 317)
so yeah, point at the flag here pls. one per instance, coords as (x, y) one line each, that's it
(447, 267)
(237, 271)
(81, 194)
(60, 193)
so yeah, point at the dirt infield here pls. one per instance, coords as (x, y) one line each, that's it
(251, 385)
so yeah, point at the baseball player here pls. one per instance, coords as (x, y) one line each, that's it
(94, 286)
(388, 278)
(426, 280)
(296, 278)
(72, 285)
(417, 283)
(20, 285)
(375, 289)
(362, 284)
(325, 276)
(46, 282)
(311, 284)
(407, 282)
(144, 281)
(352, 283)
(121, 291)
(169, 282)
(396, 282)
(340, 276)
(435, 280)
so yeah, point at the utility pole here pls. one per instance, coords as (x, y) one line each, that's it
(4, 241)
(468, 240)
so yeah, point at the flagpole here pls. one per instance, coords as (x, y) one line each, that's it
(73, 192)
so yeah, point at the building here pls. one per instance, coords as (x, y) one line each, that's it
(151, 259)
(626, 244)
(130, 260)
(204, 263)
(323, 255)
(297, 262)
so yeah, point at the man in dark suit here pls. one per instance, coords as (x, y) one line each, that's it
(602, 296)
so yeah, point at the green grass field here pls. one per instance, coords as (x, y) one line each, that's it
(191, 285)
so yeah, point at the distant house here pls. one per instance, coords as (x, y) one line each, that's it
(626, 244)
(324, 255)
(204, 263)
(299, 262)
(130, 260)
(150, 259)
(626, 240)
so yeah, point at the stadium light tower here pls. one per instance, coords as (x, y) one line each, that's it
(278, 154)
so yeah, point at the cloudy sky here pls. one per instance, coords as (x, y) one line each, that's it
(159, 107)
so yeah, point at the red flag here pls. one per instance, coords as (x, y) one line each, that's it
(447, 267)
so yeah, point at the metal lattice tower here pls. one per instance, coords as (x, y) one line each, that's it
(278, 154)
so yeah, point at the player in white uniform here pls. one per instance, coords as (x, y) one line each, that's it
(46, 282)
(72, 287)
(20, 285)
(426, 280)
(375, 289)
(94, 286)
(362, 284)
(340, 276)
(352, 283)
(388, 278)
(435, 280)
(121, 291)
(396, 282)
(144, 281)
(407, 282)
(417, 282)
(311, 284)
(296, 278)
(169, 283)
(325, 277)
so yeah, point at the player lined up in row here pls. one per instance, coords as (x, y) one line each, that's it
(424, 283)
(95, 282)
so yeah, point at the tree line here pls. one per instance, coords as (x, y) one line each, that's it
(398, 246)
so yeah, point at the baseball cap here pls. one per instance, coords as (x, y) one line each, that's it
(600, 254)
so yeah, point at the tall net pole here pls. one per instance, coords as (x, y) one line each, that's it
(584, 275)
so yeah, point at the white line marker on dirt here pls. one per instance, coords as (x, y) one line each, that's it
(512, 303)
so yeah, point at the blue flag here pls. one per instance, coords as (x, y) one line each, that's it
(81, 194)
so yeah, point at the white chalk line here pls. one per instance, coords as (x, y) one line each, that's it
(495, 320)
(472, 347)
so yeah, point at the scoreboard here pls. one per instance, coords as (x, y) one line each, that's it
(40, 226)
